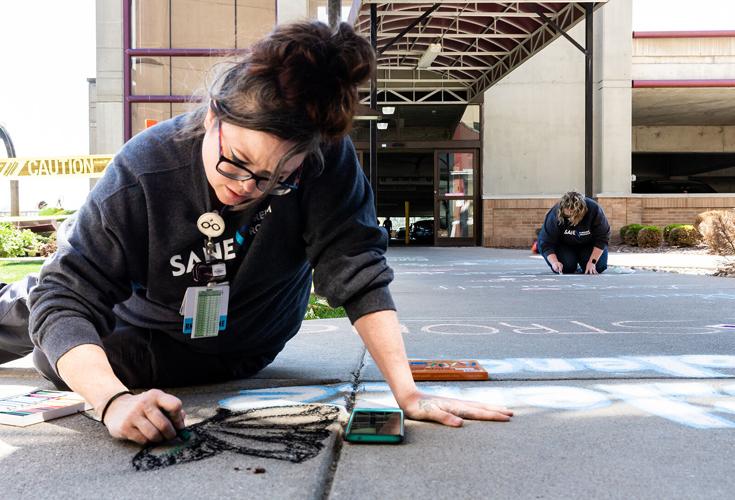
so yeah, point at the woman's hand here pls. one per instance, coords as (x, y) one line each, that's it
(149, 417)
(450, 411)
(557, 267)
(591, 268)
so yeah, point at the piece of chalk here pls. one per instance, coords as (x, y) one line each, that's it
(183, 434)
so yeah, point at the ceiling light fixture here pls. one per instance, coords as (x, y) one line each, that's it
(382, 125)
(389, 110)
(365, 113)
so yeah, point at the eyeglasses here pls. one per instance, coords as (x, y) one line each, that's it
(237, 171)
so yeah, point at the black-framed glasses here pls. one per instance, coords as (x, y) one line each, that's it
(237, 171)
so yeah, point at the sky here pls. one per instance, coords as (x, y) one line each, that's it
(44, 89)
(44, 100)
(683, 15)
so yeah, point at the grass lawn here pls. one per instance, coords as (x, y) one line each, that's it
(319, 309)
(14, 270)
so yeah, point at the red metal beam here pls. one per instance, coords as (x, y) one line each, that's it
(684, 34)
(184, 52)
(164, 98)
(663, 84)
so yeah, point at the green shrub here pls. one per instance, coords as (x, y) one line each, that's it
(16, 242)
(631, 234)
(55, 211)
(48, 246)
(684, 236)
(623, 230)
(667, 230)
(318, 308)
(650, 237)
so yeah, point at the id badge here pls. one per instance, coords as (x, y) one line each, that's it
(205, 310)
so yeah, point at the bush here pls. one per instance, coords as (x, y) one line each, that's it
(318, 308)
(631, 234)
(701, 217)
(48, 247)
(667, 230)
(717, 228)
(55, 211)
(650, 237)
(684, 236)
(16, 242)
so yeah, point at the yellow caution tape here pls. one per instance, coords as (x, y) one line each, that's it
(89, 166)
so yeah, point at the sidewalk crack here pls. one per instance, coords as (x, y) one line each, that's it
(350, 398)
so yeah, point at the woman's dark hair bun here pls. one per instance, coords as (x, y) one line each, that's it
(315, 70)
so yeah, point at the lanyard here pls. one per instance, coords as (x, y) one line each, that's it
(212, 225)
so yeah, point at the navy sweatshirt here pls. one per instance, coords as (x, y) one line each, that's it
(592, 230)
(130, 249)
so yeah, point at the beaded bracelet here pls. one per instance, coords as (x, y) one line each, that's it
(109, 402)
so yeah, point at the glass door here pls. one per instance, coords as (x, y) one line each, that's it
(454, 197)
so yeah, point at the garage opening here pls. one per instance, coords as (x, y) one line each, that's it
(684, 173)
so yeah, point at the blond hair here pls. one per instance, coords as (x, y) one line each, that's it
(574, 202)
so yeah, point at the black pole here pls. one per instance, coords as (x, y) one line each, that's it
(589, 184)
(5, 136)
(373, 172)
(335, 8)
(14, 184)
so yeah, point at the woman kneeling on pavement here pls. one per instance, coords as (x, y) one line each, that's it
(230, 209)
(575, 236)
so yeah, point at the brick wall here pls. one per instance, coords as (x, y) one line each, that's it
(513, 222)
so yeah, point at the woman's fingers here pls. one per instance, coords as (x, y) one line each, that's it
(484, 414)
(486, 408)
(452, 412)
(479, 404)
(477, 412)
(151, 416)
(151, 433)
(135, 436)
(433, 410)
(161, 422)
(172, 407)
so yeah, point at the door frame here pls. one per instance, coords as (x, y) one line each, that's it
(471, 239)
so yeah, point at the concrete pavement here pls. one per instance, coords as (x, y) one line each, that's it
(622, 386)
(687, 263)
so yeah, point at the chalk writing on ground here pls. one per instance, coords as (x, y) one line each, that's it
(698, 404)
(558, 326)
(531, 325)
(293, 433)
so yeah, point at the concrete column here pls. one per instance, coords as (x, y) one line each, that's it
(533, 134)
(613, 99)
(533, 127)
(92, 115)
(109, 87)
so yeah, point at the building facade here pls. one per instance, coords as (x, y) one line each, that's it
(484, 171)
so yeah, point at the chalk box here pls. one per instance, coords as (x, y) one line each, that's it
(39, 405)
(447, 369)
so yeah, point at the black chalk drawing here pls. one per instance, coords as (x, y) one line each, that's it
(294, 433)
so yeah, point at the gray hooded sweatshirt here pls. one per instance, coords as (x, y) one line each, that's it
(130, 250)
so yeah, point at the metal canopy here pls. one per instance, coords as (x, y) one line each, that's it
(480, 42)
